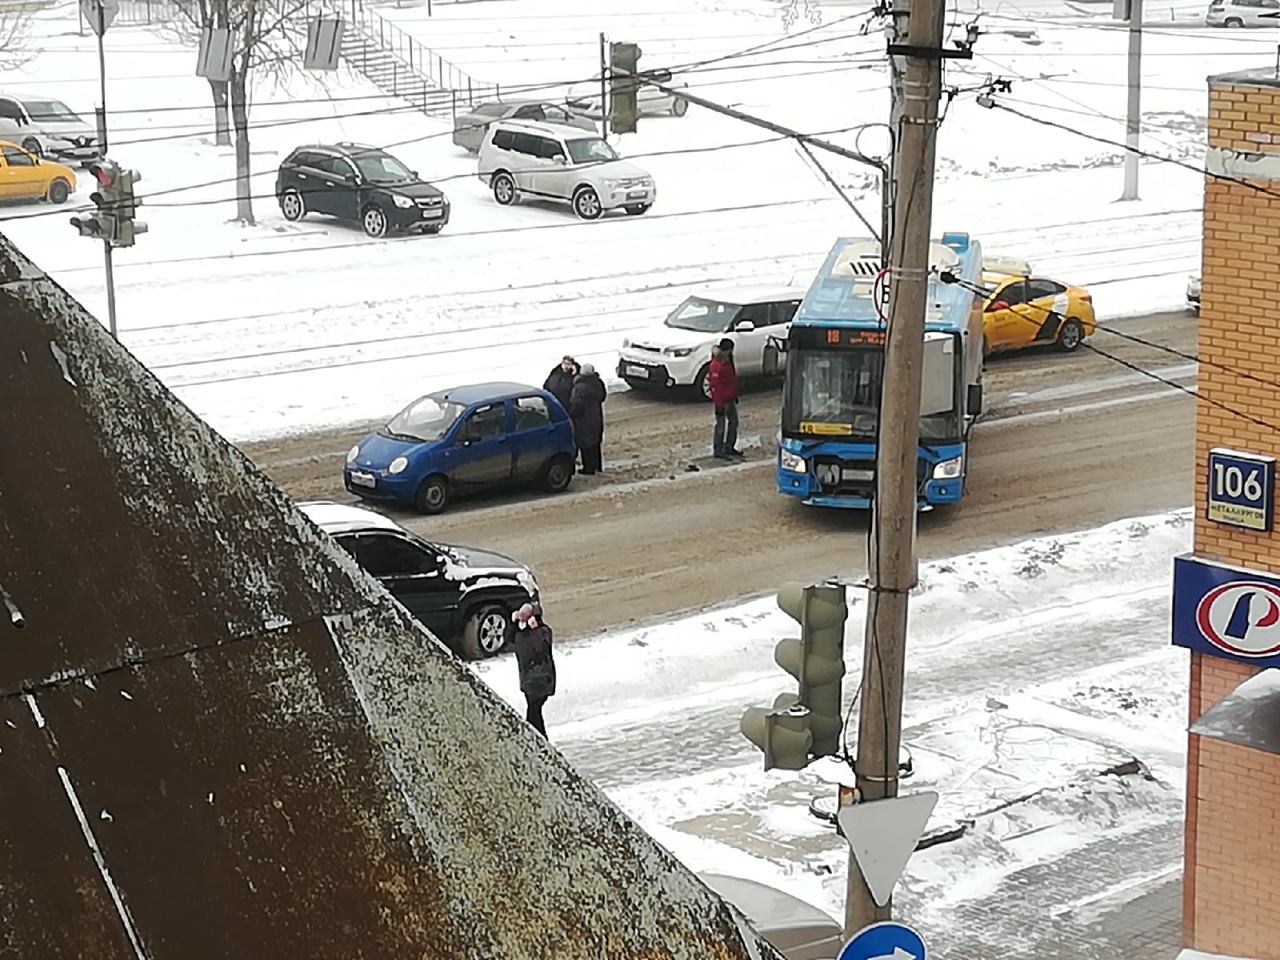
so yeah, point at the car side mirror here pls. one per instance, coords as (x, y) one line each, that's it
(414, 174)
(974, 399)
(558, 158)
(744, 326)
(997, 306)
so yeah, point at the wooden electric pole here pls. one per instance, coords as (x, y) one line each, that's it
(892, 564)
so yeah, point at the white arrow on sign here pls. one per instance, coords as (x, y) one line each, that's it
(898, 954)
(882, 835)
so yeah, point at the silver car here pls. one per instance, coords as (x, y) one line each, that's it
(585, 99)
(469, 128)
(1243, 13)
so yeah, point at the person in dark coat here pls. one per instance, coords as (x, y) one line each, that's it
(723, 379)
(559, 382)
(586, 407)
(531, 639)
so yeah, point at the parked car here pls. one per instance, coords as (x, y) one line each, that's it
(464, 596)
(469, 128)
(1193, 292)
(456, 440)
(359, 184)
(677, 353)
(47, 127)
(585, 99)
(24, 176)
(796, 929)
(1022, 310)
(521, 159)
(1243, 13)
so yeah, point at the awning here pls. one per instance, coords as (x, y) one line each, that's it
(1249, 716)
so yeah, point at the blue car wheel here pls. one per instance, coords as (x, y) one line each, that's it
(432, 495)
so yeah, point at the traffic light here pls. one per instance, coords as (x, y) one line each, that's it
(623, 87)
(806, 725)
(117, 205)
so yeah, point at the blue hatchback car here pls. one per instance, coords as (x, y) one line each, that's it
(456, 440)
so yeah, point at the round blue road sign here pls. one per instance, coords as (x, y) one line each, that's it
(885, 941)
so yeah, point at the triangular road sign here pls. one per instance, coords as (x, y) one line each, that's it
(883, 834)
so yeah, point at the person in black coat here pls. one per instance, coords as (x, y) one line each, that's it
(586, 407)
(531, 639)
(559, 382)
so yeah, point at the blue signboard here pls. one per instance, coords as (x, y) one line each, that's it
(1241, 489)
(885, 941)
(1226, 611)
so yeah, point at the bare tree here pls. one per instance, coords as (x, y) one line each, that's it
(15, 47)
(267, 39)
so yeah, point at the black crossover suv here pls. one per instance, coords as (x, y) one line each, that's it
(361, 185)
(464, 596)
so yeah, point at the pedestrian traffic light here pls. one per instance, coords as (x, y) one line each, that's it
(806, 725)
(624, 111)
(94, 225)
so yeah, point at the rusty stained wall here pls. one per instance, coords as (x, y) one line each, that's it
(218, 738)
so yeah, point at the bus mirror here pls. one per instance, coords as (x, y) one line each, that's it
(974, 405)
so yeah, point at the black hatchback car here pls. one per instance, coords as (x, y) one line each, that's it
(359, 184)
(464, 596)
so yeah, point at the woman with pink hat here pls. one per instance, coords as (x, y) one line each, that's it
(531, 640)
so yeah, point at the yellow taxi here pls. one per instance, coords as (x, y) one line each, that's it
(24, 176)
(1022, 310)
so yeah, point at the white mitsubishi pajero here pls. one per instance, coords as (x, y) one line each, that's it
(677, 353)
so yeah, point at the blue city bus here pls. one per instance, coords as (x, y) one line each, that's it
(834, 369)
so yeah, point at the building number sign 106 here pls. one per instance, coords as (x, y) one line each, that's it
(1241, 489)
(1232, 481)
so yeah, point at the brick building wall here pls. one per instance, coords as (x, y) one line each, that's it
(1232, 866)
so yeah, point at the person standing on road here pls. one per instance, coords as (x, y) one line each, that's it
(559, 382)
(531, 639)
(723, 378)
(586, 407)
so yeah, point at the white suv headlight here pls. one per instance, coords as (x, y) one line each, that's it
(791, 461)
(678, 351)
(397, 465)
(949, 469)
(353, 453)
(404, 203)
(610, 183)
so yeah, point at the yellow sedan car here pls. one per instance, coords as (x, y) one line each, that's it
(1028, 311)
(24, 176)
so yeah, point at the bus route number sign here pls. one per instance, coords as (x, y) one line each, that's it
(1241, 490)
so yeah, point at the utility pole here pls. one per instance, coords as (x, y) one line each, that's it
(604, 86)
(1133, 122)
(892, 564)
(100, 9)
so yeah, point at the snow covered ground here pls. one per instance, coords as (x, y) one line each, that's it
(277, 328)
(1032, 669)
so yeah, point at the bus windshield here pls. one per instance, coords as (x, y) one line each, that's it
(836, 393)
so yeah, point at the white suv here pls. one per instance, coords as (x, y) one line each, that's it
(548, 162)
(1243, 13)
(678, 352)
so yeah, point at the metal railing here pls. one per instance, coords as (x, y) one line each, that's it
(402, 65)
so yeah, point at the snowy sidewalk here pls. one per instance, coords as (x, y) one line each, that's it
(1023, 919)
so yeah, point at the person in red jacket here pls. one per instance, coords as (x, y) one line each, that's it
(723, 378)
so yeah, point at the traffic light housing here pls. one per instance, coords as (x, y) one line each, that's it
(624, 111)
(117, 205)
(806, 725)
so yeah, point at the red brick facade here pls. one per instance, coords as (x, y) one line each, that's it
(1232, 866)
